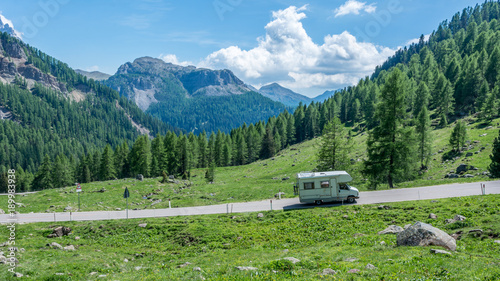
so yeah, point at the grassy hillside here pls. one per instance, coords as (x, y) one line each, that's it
(340, 238)
(259, 180)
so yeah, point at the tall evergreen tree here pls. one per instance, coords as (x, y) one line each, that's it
(335, 147)
(390, 145)
(458, 136)
(140, 156)
(268, 147)
(424, 138)
(43, 178)
(107, 168)
(494, 166)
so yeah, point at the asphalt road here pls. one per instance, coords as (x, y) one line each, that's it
(369, 197)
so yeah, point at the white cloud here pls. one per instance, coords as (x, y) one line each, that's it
(174, 60)
(287, 55)
(416, 40)
(354, 7)
(6, 25)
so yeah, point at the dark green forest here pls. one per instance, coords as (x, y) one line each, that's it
(429, 84)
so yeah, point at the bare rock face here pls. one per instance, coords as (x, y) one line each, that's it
(422, 234)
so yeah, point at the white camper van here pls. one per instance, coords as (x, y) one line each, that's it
(322, 187)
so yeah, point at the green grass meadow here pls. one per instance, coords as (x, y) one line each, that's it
(340, 238)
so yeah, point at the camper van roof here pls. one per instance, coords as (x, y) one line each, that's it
(321, 174)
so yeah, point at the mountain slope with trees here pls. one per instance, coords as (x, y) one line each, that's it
(191, 98)
(52, 111)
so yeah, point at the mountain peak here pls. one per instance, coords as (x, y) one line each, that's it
(281, 94)
(7, 26)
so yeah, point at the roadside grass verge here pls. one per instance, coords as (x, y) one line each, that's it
(341, 238)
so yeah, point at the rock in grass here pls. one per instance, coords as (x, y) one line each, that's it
(2, 212)
(292, 259)
(260, 215)
(69, 208)
(422, 234)
(143, 225)
(17, 274)
(60, 232)
(183, 265)
(70, 248)
(246, 268)
(196, 268)
(55, 245)
(351, 259)
(370, 266)
(433, 216)
(354, 270)
(391, 229)
(459, 218)
(497, 241)
(441, 252)
(328, 271)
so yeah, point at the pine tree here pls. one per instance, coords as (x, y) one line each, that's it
(494, 167)
(268, 147)
(210, 173)
(390, 145)
(424, 139)
(107, 168)
(43, 178)
(334, 147)
(458, 136)
(61, 172)
(140, 156)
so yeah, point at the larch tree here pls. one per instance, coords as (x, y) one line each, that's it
(494, 167)
(391, 144)
(334, 147)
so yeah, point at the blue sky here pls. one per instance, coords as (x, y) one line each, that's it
(308, 46)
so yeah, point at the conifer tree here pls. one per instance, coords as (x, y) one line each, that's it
(268, 148)
(335, 146)
(390, 145)
(494, 167)
(43, 178)
(107, 168)
(424, 139)
(458, 136)
(140, 156)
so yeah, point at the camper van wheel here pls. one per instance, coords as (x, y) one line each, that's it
(350, 200)
(318, 202)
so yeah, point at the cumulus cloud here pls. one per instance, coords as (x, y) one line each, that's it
(287, 55)
(354, 7)
(416, 40)
(174, 60)
(6, 25)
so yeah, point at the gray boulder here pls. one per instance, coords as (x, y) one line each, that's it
(59, 232)
(422, 234)
(391, 229)
(441, 252)
(292, 259)
(432, 216)
(464, 168)
(246, 268)
(328, 271)
(140, 177)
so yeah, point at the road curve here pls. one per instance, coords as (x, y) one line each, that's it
(368, 197)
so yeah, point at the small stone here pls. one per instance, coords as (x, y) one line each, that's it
(351, 259)
(77, 237)
(196, 269)
(143, 225)
(382, 243)
(443, 252)
(70, 248)
(93, 273)
(102, 276)
(432, 216)
(138, 267)
(345, 216)
(183, 265)
(245, 268)
(17, 274)
(125, 260)
(260, 215)
(59, 273)
(292, 259)
(69, 208)
(118, 209)
(370, 266)
(353, 270)
(55, 245)
(328, 271)
(459, 218)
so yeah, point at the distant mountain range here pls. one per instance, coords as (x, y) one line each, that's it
(281, 94)
(326, 95)
(96, 75)
(194, 99)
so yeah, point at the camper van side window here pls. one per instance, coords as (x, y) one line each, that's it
(325, 184)
(309, 185)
